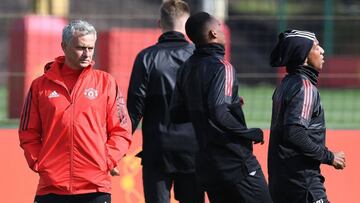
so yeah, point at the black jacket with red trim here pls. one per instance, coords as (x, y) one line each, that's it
(297, 134)
(206, 93)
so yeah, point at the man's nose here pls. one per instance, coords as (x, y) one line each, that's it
(86, 51)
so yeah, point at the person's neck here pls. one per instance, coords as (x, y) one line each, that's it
(174, 30)
(71, 66)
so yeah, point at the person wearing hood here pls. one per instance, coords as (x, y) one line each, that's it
(297, 133)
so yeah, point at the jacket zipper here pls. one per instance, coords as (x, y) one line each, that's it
(72, 128)
(70, 133)
(71, 145)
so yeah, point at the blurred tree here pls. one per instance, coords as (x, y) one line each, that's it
(51, 7)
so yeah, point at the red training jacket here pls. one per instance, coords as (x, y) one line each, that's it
(73, 140)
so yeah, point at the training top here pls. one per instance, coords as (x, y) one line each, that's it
(72, 140)
(166, 146)
(297, 134)
(206, 93)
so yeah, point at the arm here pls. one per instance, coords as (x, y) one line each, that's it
(118, 126)
(228, 116)
(296, 136)
(300, 106)
(30, 129)
(137, 91)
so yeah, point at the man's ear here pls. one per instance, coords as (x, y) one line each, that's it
(159, 23)
(63, 46)
(306, 61)
(212, 34)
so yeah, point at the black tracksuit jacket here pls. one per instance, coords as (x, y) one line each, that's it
(297, 134)
(206, 93)
(166, 145)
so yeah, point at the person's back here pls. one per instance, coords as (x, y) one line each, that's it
(199, 75)
(169, 149)
(206, 93)
(158, 64)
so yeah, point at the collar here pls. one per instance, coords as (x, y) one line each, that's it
(66, 70)
(53, 69)
(308, 71)
(211, 49)
(172, 36)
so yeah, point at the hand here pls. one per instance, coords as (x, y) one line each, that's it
(339, 160)
(258, 136)
(242, 102)
(114, 172)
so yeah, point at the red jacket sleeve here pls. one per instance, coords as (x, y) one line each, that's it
(118, 126)
(30, 129)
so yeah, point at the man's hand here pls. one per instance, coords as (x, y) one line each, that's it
(114, 172)
(339, 160)
(242, 102)
(258, 136)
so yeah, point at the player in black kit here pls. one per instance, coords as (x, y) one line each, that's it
(297, 134)
(206, 93)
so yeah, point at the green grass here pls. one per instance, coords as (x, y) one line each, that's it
(261, 7)
(258, 103)
(4, 121)
(342, 108)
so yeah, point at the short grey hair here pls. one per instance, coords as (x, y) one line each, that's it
(81, 28)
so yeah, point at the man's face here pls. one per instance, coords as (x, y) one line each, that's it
(80, 50)
(316, 56)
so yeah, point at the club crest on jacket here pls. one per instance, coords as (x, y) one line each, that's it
(91, 93)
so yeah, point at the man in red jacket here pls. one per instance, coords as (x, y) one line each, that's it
(74, 125)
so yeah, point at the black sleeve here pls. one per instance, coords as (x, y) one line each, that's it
(225, 115)
(137, 91)
(297, 136)
(228, 120)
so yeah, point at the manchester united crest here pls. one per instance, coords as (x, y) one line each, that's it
(91, 93)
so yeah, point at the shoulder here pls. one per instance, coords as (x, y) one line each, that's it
(171, 47)
(102, 75)
(39, 81)
(305, 84)
(149, 50)
(296, 79)
(297, 84)
(220, 65)
(146, 56)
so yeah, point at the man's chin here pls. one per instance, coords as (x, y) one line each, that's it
(84, 65)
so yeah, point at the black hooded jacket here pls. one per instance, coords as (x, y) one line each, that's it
(206, 93)
(165, 145)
